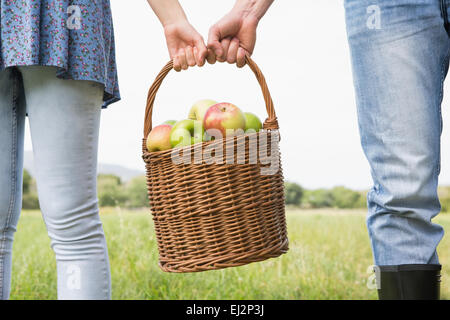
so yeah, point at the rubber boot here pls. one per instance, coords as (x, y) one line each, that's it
(408, 282)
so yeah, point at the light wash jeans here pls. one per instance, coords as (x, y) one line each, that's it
(400, 56)
(64, 117)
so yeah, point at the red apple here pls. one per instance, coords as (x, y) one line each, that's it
(224, 117)
(159, 138)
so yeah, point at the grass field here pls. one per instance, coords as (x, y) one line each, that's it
(328, 259)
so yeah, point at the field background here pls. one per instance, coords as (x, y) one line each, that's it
(328, 259)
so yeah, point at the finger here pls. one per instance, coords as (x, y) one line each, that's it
(196, 56)
(233, 50)
(225, 43)
(190, 59)
(214, 40)
(182, 58)
(200, 59)
(176, 64)
(240, 60)
(211, 57)
(201, 52)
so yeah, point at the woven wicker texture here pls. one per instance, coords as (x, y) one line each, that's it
(213, 216)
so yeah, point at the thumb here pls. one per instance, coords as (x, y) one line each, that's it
(202, 51)
(214, 38)
(240, 60)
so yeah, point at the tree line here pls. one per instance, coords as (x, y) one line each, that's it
(337, 197)
(113, 192)
(341, 197)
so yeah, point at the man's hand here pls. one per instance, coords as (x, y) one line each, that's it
(234, 36)
(186, 46)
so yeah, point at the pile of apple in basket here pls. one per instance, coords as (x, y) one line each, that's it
(207, 120)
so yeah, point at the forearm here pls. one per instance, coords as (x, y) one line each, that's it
(252, 8)
(167, 11)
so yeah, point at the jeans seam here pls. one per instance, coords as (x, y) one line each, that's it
(444, 14)
(441, 95)
(106, 279)
(12, 200)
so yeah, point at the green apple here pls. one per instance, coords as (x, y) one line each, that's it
(159, 138)
(252, 122)
(186, 132)
(199, 108)
(170, 122)
(224, 117)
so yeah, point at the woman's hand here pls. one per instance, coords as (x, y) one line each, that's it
(234, 36)
(186, 46)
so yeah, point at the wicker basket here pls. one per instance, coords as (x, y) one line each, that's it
(214, 216)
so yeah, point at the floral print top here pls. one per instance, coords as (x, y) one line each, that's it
(74, 35)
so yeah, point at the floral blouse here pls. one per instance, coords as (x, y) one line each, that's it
(74, 35)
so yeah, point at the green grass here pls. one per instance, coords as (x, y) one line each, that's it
(328, 259)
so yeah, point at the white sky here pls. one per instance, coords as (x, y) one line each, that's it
(303, 53)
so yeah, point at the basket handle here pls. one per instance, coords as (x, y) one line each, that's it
(270, 123)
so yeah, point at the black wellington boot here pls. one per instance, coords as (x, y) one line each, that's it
(408, 282)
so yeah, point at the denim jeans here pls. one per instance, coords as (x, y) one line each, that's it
(64, 117)
(400, 56)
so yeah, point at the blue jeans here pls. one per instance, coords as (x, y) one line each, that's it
(400, 56)
(64, 117)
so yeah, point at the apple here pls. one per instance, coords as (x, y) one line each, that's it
(170, 122)
(224, 117)
(199, 108)
(159, 138)
(186, 132)
(252, 122)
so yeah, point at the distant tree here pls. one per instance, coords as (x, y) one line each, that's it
(345, 198)
(318, 198)
(444, 198)
(136, 193)
(110, 190)
(27, 180)
(445, 205)
(30, 199)
(293, 193)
